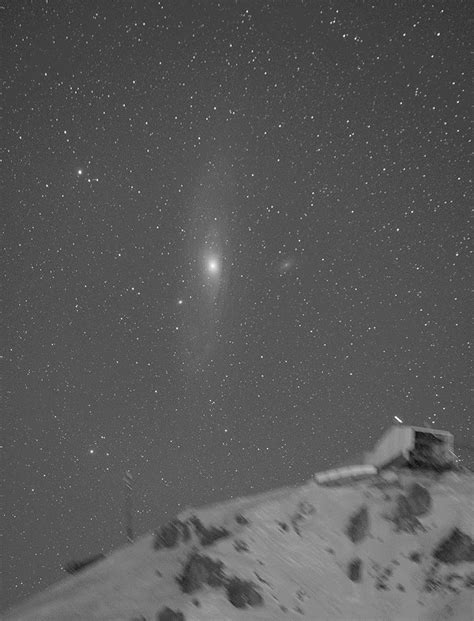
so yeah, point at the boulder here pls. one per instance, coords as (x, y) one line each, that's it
(208, 535)
(170, 615)
(167, 536)
(171, 534)
(240, 545)
(358, 526)
(458, 547)
(404, 519)
(418, 499)
(242, 520)
(199, 571)
(242, 593)
(354, 570)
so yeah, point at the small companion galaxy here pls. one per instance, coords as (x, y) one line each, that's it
(235, 251)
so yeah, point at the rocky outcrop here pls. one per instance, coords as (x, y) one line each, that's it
(208, 535)
(404, 519)
(358, 526)
(201, 570)
(418, 499)
(242, 593)
(241, 519)
(75, 566)
(303, 512)
(171, 534)
(240, 545)
(458, 547)
(354, 570)
(170, 615)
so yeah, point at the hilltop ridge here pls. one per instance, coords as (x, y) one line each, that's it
(394, 546)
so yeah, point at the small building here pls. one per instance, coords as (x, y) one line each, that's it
(413, 447)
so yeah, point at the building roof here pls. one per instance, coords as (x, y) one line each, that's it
(433, 431)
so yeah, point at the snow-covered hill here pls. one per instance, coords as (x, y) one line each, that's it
(377, 549)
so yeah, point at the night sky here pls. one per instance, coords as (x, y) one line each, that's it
(236, 247)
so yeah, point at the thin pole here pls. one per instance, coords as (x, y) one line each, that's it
(128, 480)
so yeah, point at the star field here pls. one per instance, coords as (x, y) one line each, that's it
(236, 248)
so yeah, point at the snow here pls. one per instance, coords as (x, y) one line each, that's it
(300, 571)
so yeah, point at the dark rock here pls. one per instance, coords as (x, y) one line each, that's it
(400, 587)
(208, 536)
(283, 526)
(262, 580)
(296, 526)
(196, 602)
(403, 508)
(75, 566)
(415, 557)
(242, 593)
(185, 531)
(170, 534)
(403, 518)
(199, 571)
(418, 500)
(433, 582)
(408, 525)
(170, 615)
(305, 508)
(240, 545)
(354, 570)
(358, 525)
(240, 519)
(458, 547)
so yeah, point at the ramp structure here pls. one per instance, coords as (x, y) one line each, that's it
(346, 475)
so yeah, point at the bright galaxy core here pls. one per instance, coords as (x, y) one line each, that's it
(212, 266)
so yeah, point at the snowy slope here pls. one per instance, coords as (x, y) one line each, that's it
(295, 546)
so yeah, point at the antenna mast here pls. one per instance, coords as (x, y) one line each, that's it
(128, 480)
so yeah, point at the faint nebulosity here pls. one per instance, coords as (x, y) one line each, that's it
(209, 259)
(236, 247)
